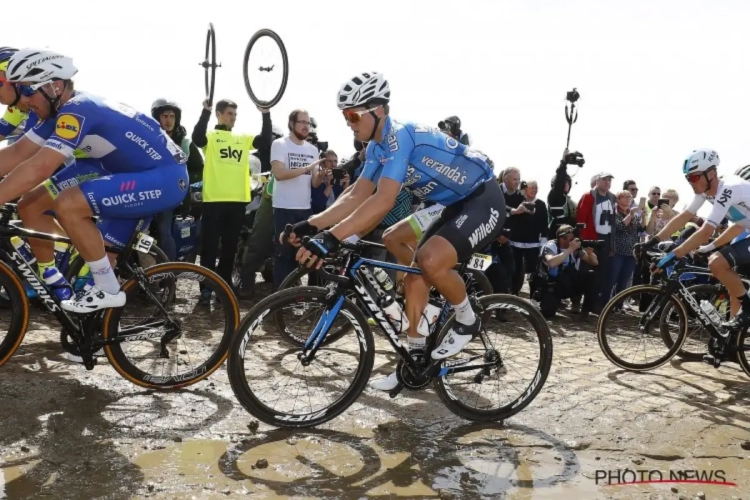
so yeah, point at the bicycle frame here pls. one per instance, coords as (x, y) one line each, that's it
(355, 274)
(46, 297)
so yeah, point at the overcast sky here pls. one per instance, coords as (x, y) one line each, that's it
(657, 79)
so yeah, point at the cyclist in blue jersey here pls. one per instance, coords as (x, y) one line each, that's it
(436, 168)
(126, 169)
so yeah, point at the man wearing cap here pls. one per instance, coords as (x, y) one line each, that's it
(597, 210)
(561, 274)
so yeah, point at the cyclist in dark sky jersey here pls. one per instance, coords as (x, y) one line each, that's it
(126, 168)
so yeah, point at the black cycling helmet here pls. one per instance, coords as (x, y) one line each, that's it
(161, 105)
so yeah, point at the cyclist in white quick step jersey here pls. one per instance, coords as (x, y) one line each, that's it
(730, 197)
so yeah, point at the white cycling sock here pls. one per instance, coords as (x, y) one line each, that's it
(104, 276)
(416, 342)
(464, 313)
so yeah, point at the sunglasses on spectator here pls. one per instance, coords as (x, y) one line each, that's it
(635, 190)
(352, 116)
(656, 193)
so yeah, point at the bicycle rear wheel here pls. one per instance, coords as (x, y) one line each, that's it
(17, 305)
(622, 336)
(257, 359)
(694, 347)
(526, 339)
(163, 360)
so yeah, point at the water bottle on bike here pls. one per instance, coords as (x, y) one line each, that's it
(57, 282)
(711, 312)
(24, 250)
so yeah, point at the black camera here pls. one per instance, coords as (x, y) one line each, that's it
(586, 243)
(572, 95)
(338, 173)
(574, 158)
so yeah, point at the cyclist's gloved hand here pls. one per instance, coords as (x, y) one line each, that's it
(639, 248)
(666, 260)
(317, 248)
(293, 233)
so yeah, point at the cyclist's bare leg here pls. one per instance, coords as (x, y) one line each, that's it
(416, 292)
(437, 259)
(721, 269)
(31, 208)
(401, 241)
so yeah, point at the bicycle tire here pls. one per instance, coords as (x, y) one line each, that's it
(285, 77)
(483, 283)
(236, 362)
(290, 282)
(210, 73)
(18, 304)
(541, 327)
(608, 311)
(224, 296)
(683, 353)
(742, 352)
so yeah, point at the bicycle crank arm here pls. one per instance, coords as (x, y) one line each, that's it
(396, 390)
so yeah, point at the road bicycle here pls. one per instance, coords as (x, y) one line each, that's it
(160, 329)
(482, 363)
(669, 301)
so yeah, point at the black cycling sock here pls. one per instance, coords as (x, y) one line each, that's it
(745, 303)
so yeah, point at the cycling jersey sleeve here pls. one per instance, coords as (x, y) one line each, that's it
(696, 204)
(40, 132)
(11, 120)
(389, 159)
(70, 129)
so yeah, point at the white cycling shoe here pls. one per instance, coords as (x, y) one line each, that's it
(77, 359)
(385, 384)
(93, 300)
(458, 337)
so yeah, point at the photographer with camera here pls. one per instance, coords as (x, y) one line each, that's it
(560, 274)
(597, 211)
(452, 127)
(529, 234)
(562, 209)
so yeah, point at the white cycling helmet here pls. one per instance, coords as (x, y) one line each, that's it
(363, 89)
(35, 66)
(743, 172)
(700, 160)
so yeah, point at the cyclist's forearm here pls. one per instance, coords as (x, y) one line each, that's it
(731, 233)
(366, 215)
(557, 259)
(673, 225)
(698, 238)
(341, 208)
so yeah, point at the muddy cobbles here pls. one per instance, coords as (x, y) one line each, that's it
(69, 433)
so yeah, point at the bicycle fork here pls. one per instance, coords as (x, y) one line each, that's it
(333, 306)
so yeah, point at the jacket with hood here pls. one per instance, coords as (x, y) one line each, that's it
(587, 215)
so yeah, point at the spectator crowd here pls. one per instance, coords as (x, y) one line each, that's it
(577, 253)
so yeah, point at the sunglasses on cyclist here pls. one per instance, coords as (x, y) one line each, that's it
(693, 178)
(352, 116)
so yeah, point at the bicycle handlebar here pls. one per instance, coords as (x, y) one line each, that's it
(359, 245)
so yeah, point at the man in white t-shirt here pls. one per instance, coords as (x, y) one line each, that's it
(296, 170)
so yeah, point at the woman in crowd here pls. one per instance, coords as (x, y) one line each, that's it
(528, 235)
(664, 213)
(627, 231)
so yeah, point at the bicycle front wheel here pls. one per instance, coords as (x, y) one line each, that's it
(631, 326)
(275, 385)
(159, 344)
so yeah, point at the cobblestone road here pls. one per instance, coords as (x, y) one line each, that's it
(69, 433)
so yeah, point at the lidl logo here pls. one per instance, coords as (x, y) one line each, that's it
(68, 127)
